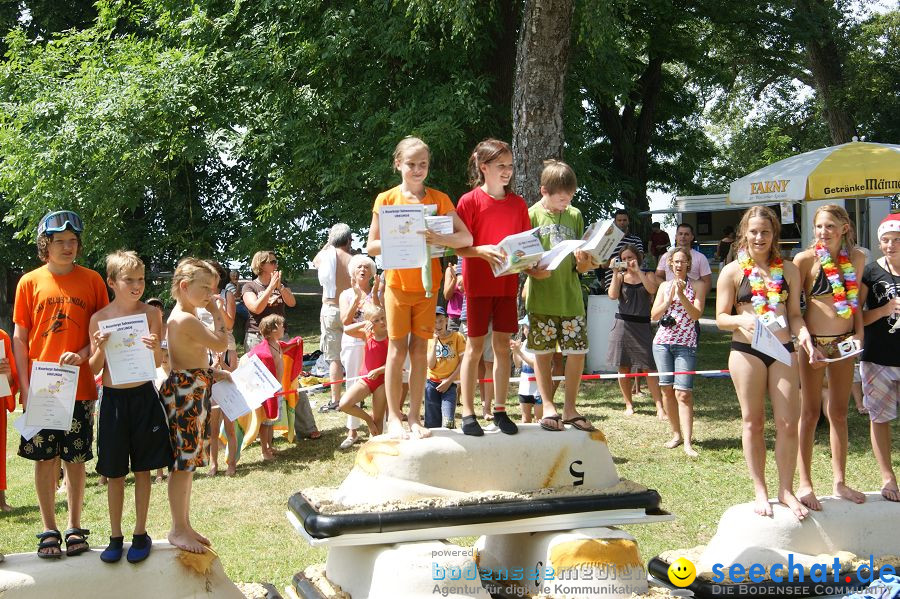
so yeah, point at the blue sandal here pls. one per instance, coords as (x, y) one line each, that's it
(113, 551)
(140, 548)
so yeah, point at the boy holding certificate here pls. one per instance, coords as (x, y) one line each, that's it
(53, 307)
(556, 314)
(132, 426)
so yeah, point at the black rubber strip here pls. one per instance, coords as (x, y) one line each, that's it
(323, 526)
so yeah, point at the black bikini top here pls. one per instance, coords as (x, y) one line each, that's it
(822, 286)
(745, 294)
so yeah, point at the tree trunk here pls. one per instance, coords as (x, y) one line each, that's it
(542, 59)
(826, 62)
(630, 130)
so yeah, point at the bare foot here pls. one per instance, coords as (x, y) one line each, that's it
(690, 451)
(231, 470)
(186, 541)
(845, 492)
(200, 537)
(629, 410)
(661, 414)
(5, 507)
(418, 431)
(890, 491)
(268, 456)
(395, 430)
(796, 505)
(159, 478)
(675, 442)
(762, 506)
(213, 470)
(808, 498)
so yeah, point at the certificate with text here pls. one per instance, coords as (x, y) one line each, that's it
(255, 382)
(51, 396)
(402, 244)
(128, 359)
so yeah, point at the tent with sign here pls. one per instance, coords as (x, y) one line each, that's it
(861, 176)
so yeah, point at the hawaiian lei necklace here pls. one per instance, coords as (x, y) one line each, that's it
(845, 294)
(765, 297)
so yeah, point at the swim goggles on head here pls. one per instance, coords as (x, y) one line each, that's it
(59, 221)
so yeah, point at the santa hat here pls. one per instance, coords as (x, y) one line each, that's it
(891, 223)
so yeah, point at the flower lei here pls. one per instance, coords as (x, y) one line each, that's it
(845, 294)
(765, 297)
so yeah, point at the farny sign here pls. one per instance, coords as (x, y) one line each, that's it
(758, 187)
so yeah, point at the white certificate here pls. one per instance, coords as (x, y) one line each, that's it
(27, 432)
(402, 245)
(128, 359)
(766, 342)
(4, 382)
(255, 382)
(552, 258)
(51, 396)
(229, 398)
(444, 226)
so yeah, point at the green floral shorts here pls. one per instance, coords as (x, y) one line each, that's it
(545, 333)
(74, 445)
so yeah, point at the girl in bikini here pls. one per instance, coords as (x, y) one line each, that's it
(758, 286)
(828, 275)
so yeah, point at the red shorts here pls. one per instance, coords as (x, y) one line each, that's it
(500, 312)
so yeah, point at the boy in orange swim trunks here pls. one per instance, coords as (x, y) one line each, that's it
(186, 393)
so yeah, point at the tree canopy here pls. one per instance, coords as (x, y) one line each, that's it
(217, 127)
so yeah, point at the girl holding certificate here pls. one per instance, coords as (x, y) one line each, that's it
(758, 288)
(828, 273)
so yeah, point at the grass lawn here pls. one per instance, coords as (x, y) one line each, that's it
(244, 516)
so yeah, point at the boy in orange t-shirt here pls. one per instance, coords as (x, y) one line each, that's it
(52, 311)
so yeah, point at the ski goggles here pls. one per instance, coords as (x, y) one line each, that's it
(59, 221)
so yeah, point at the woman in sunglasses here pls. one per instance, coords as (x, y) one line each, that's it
(264, 295)
(880, 296)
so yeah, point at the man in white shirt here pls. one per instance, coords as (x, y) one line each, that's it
(700, 271)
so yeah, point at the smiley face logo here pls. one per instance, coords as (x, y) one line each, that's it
(682, 572)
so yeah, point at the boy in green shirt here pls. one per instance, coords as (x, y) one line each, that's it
(556, 314)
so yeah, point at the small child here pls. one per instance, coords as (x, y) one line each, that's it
(374, 329)
(445, 351)
(556, 314)
(409, 306)
(187, 391)
(132, 426)
(270, 352)
(7, 404)
(529, 396)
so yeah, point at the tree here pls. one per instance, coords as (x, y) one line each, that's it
(542, 59)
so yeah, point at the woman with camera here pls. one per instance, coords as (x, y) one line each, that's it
(678, 307)
(760, 290)
(631, 340)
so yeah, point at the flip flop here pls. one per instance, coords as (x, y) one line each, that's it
(586, 427)
(556, 427)
(885, 490)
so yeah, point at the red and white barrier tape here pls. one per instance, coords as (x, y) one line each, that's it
(584, 377)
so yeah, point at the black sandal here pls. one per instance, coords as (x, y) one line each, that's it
(76, 536)
(50, 539)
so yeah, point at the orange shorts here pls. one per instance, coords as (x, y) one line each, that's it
(409, 312)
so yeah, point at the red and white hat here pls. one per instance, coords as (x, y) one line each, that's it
(890, 224)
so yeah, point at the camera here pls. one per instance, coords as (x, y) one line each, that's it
(667, 321)
(616, 263)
